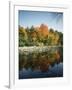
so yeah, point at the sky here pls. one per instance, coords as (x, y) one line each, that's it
(36, 18)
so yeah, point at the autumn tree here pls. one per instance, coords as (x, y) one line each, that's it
(22, 36)
(39, 36)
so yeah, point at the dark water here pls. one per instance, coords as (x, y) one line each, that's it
(56, 71)
(41, 64)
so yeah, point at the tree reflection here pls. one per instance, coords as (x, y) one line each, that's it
(41, 60)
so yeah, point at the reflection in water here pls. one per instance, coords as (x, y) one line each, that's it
(56, 71)
(38, 64)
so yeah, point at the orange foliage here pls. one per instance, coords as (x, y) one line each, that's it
(43, 30)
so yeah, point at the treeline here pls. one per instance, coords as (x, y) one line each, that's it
(39, 36)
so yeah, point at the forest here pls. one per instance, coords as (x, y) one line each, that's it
(39, 36)
(40, 52)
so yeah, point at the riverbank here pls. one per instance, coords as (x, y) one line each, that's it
(36, 48)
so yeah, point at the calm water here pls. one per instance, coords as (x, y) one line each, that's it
(47, 63)
(56, 71)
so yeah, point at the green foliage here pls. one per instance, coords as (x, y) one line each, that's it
(34, 36)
